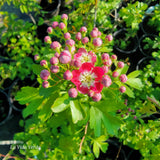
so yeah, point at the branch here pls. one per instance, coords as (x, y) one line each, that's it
(153, 100)
(85, 132)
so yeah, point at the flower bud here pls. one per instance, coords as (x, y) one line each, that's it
(97, 42)
(94, 33)
(83, 29)
(77, 63)
(123, 78)
(91, 93)
(55, 24)
(120, 64)
(73, 92)
(122, 89)
(56, 54)
(55, 45)
(70, 42)
(67, 35)
(106, 81)
(54, 60)
(43, 63)
(45, 84)
(107, 62)
(47, 39)
(96, 97)
(115, 74)
(85, 40)
(54, 69)
(105, 69)
(62, 26)
(105, 56)
(109, 38)
(36, 57)
(65, 57)
(78, 36)
(49, 30)
(113, 57)
(64, 16)
(67, 75)
(44, 74)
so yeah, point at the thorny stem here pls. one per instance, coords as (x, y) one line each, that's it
(85, 132)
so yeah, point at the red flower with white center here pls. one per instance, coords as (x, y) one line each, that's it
(88, 78)
(85, 56)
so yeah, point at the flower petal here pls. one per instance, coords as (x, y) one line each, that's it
(82, 89)
(75, 78)
(97, 88)
(99, 72)
(82, 50)
(86, 67)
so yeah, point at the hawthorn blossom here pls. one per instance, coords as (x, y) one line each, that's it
(85, 56)
(88, 78)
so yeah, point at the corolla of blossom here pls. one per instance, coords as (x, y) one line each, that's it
(88, 78)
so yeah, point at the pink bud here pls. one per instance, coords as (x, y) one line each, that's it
(85, 40)
(73, 92)
(122, 89)
(54, 69)
(97, 42)
(55, 24)
(49, 30)
(45, 84)
(91, 93)
(96, 97)
(62, 25)
(54, 60)
(83, 29)
(78, 36)
(47, 39)
(70, 42)
(123, 78)
(105, 69)
(108, 62)
(43, 62)
(94, 33)
(105, 56)
(95, 28)
(67, 75)
(99, 33)
(56, 54)
(71, 49)
(106, 81)
(77, 63)
(115, 74)
(44, 74)
(36, 57)
(55, 45)
(109, 38)
(65, 57)
(114, 57)
(120, 64)
(64, 16)
(67, 35)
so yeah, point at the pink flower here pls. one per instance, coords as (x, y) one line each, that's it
(43, 62)
(106, 81)
(65, 57)
(122, 89)
(115, 74)
(120, 64)
(64, 16)
(85, 56)
(97, 42)
(67, 75)
(55, 24)
(44, 74)
(83, 29)
(62, 25)
(45, 84)
(54, 69)
(96, 97)
(94, 33)
(67, 35)
(73, 92)
(109, 37)
(78, 36)
(70, 42)
(123, 78)
(47, 39)
(49, 30)
(54, 60)
(88, 78)
(85, 40)
(55, 45)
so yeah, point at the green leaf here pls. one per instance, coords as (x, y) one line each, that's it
(134, 74)
(61, 103)
(32, 107)
(123, 70)
(105, 49)
(27, 94)
(99, 143)
(37, 69)
(157, 79)
(76, 110)
(135, 83)
(95, 121)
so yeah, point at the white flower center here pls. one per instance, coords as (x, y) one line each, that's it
(85, 58)
(87, 79)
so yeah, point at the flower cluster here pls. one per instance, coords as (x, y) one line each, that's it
(86, 69)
